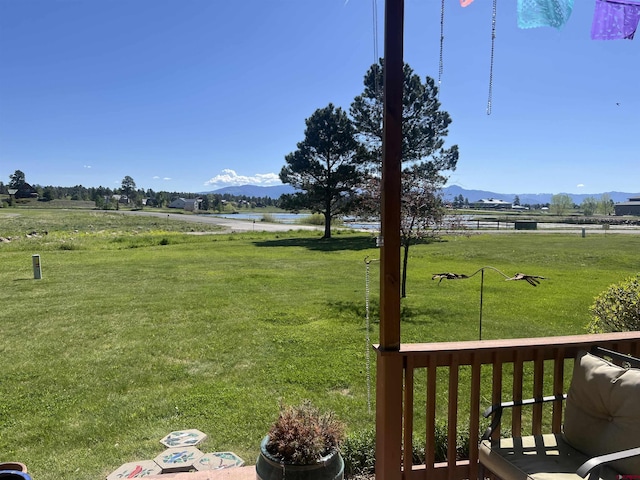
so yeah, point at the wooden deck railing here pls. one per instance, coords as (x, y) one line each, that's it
(474, 375)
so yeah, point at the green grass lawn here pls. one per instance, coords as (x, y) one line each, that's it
(138, 328)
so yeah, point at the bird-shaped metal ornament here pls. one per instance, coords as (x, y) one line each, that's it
(532, 279)
(448, 276)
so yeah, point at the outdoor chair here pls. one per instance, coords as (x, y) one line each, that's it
(601, 430)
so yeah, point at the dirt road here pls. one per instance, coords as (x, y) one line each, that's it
(228, 225)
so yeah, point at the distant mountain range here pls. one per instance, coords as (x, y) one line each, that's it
(449, 192)
(529, 198)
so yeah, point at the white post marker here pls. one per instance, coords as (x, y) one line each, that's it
(37, 269)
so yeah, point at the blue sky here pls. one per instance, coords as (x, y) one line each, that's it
(194, 95)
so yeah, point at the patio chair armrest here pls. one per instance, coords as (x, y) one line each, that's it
(496, 410)
(594, 462)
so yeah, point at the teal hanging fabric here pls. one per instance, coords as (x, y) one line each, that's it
(543, 13)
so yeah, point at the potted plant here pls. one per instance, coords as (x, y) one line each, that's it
(303, 444)
(13, 471)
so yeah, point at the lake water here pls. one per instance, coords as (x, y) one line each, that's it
(291, 218)
(278, 217)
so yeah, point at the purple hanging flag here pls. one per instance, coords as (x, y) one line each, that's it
(615, 19)
(543, 13)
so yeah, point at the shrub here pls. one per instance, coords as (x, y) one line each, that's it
(359, 450)
(359, 453)
(268, 217)
(317, 219)
(302, 435)
(617, 309)
(440, 436)
(313, 219)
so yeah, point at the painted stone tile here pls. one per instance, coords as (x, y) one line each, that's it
(142, 469)
(218, 461)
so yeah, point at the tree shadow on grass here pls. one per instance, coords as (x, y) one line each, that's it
(323, 245)
(407, 314)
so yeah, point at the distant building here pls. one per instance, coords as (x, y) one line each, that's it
(188, 204)
(119, 198)
(492, 204)
(26, 191)
(630, 207)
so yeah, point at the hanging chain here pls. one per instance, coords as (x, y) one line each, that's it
(375, 31)
(368, 339)
(441, 64)
(493, 44)
(376, 58)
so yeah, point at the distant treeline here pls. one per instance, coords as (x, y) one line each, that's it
(101, 195)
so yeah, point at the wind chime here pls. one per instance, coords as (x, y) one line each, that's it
(367, 262)
(612, 20)
(465, 3)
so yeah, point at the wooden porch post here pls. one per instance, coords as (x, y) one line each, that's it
(389, 367)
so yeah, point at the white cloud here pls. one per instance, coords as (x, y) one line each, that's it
(86, 166)
(229, 177)
(580, 185)
(167, 178)
(156, 177)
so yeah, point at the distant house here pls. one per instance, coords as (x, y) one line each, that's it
(492, 204)
(26, 191)
(188, 204)
(630, 207)
(120, 199)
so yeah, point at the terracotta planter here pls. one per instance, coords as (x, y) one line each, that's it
(330, 467)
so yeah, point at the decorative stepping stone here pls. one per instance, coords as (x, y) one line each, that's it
(179, 459)
(145, 468)
(218, 461)
(184, 438)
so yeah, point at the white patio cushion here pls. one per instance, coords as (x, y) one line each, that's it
(535, 457)
(603, 410)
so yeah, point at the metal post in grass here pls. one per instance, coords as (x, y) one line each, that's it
(533, 280)
(37, 268)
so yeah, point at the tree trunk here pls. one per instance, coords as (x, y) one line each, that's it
(327, 225)
(405, 260)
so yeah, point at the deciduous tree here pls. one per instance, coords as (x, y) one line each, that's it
(561, 203)
(605, 205)
(589, 206)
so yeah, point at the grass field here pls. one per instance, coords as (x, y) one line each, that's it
(138, 328)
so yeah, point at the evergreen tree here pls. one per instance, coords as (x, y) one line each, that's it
(324, 166)
(424, 157)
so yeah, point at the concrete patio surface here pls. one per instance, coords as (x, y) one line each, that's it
(235, 473)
